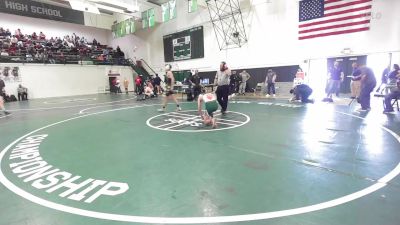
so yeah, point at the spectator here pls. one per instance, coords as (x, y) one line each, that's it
(126, 85)
(299, 77)
(34, 36)
(195, 80)
(42, 36)
(101, 58)
(18, 33)
(270, 80)
(234, 83)
(4, 53)
(51, 57)
(94, 42)
(139, 85)
(394, 94)
(22, 93)
(20, 44)
(245, 77)
(83, 41)
(384, 78)
(393, 74)
(149, 90)
(118, 86)
(12, 50)
(157, 84)
(14, 40)
(336, 76)
(8, 32)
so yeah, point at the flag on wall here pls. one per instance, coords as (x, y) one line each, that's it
(320, 18)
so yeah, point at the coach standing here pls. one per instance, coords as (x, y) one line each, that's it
(222, 82)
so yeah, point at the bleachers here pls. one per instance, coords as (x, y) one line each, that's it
(68, 50)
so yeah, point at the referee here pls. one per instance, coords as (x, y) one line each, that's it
(222, 82)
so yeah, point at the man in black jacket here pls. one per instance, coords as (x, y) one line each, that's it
(195, 80)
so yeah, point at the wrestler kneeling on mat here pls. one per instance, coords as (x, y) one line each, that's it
(211, 105)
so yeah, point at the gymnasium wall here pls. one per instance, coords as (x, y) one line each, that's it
(272, 28)
(133, 46)
(53, 28)
(53, 80)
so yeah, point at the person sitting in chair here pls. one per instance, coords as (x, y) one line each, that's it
(22, 93)
(395, 94)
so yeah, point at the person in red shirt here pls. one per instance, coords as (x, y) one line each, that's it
(42, 36)
(139, 85)
(34, 36)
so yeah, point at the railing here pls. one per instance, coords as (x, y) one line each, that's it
(148, 66)
(67, 59)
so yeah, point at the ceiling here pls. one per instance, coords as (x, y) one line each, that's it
(108, 6)
(158, 2)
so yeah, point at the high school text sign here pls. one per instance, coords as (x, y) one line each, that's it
(40, 10)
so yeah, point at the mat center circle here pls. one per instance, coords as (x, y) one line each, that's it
(190, 121)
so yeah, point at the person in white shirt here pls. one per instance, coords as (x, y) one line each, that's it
(4, 53)
(222, 79)
(299, 78)
(14, 40)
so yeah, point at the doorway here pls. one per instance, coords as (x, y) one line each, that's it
(345, 63)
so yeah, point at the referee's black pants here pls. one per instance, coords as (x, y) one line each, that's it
(222, 96)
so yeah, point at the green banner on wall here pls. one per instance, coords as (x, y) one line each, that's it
(172, 9)
(192, 4)
(151, 15)
(168, 10)
(165, 12)
(123, 28)
(145, 19)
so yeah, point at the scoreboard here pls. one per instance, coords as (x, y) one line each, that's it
(183, 45)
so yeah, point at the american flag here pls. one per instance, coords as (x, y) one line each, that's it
(320, 18)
